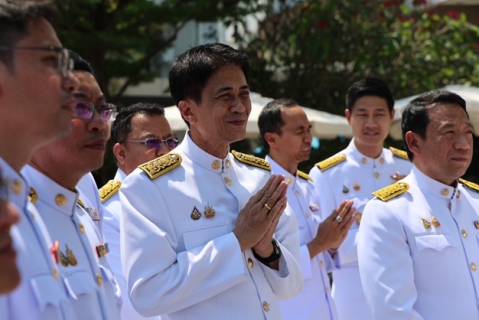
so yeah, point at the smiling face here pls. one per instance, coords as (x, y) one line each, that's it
(446, 151)
(370, 121)
(221, 116)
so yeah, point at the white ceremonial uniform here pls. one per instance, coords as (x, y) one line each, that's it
(81, 248)
(355, 178)
(41, 294)
(88, 192)
(179, 255)
(314, 301)
(419, 252)
(111, 231)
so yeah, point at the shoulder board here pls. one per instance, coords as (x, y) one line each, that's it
(252, 160)
(303, 175)
(161, 165)
(399, 153)
(33, 195)
(331, 162)
(470, 185)
(109, 189)
(391, 191)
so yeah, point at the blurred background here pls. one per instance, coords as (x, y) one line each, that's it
(310, 51)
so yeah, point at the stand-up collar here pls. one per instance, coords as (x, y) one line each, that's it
(363, 160)
(429, 185)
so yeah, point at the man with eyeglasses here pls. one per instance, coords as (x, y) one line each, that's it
(140, 133)
(53, 173)
(36, 106)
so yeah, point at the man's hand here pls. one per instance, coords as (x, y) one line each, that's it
(332, 233)
(257, 221)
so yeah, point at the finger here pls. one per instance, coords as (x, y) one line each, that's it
(260, 194)
(277, 209)
(276, 183)
(341, 206)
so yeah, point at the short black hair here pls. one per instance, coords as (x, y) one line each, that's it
(80, 64)
(15, 16)
(121, 127)
(192, 69)
(270, 118)
(369, 87)
(415, 117)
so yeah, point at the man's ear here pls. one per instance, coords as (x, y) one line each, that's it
(188, 110)
(119, 152)
(270, 139)
(347, 114)
(413, 142)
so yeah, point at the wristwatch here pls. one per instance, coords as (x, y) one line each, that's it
(273, 257)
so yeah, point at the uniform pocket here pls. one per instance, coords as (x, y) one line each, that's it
(53, 296)
(80, 282)
(437, 242)
(200, 237)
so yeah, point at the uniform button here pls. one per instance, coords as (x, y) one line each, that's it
(60, 200)
(81, 228)
(228, 164)
(227, 181)
(289, 180)
(321, 263)
(55, 273)
(265, 306)
(444, 192)
(298, 193)
(250, 263)
(363, 160)
(216, 165)
(381, 160)
(473, 266)
(464, 233)
(99, 279)
(376, 175)
(17, 186)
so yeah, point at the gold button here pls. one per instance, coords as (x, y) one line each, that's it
(307, 215)
(298, 193)
(376, 175)
(321, 263)
(55, 273)
(99, 279)
(381, 160)
(228, 181)
(216, 165)
(265, 306)
(473, 266)
(17, 186)
(60, 200)
(81, 228)
(289, 180)
(464, 233)
(444, 192)
(228, 164)
(363, 160)
(250, 263)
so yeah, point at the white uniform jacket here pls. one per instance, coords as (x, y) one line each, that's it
(355, 178)
(81, 250)
(314, 301)
(88, 193)
(111, 232)
(179, 254)
(41, 294)
(419, 252)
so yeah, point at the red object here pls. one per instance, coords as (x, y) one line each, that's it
(55, 249)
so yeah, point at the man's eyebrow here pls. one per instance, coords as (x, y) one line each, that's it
(225, 89)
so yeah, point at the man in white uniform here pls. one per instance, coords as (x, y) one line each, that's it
(418, 243)
(140, 133)
(354, 173)
(203, 233)
(286, 132)
(53, 172)
(36, 106)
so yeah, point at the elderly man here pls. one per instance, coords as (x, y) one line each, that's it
(36, 106)
(417, 246)
(54, 171)
(354, 173)
(286, 132)
(203, 233)
(140, 133)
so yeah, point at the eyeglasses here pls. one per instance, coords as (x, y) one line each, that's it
(85, 110)
(155, 143)
(65, 64)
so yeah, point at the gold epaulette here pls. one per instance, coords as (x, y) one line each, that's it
(470, 185)
(391, 191)
(252, 160)
(161, 165)
(303, 175)
(109, 189)
(399, 153)
(331, 162)
(33, 195)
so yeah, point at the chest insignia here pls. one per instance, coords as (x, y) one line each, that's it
(303, 175)
(331, 162)
(33, 195)
(426, 224)
(391, 191)
(209, 211)
(161, 165)
(314, 207)
(356, 186)
(252, 160)
(476, 224)
(399, 153)
(435, 222)
(398, 176)
(195, 214)
(470, 185)
(68, 258)
(102, 249)
(345, 190)
(109, 189)
(55, 251)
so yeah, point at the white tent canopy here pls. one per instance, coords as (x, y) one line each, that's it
(470, 94)
(324, 125)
